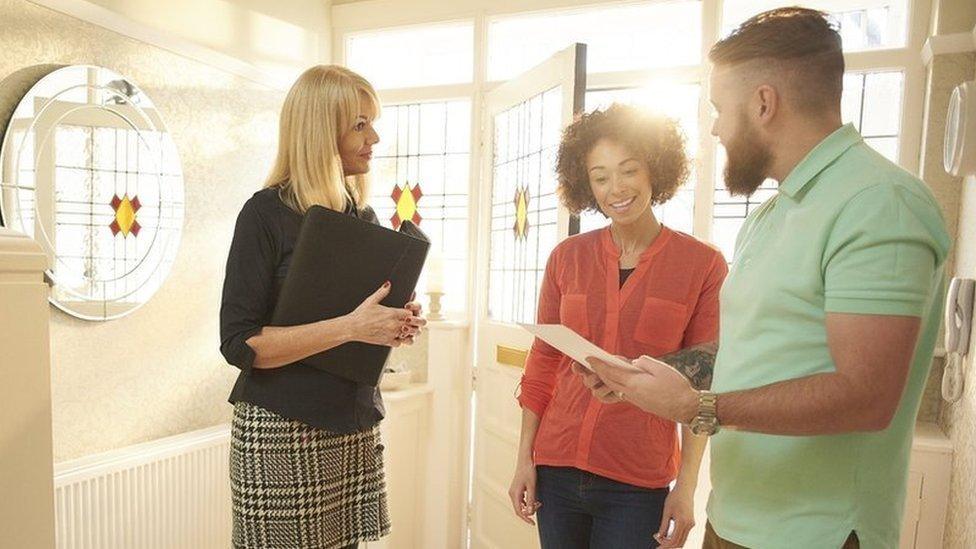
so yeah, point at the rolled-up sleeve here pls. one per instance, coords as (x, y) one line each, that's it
(248, 282)
(882, 253)
(703, 325)
(543, 362)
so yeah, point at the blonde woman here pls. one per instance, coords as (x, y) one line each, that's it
(306, 460)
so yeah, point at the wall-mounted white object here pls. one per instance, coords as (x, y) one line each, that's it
(958, 324)
(959, 156)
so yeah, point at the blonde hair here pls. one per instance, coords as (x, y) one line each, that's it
(321, 106)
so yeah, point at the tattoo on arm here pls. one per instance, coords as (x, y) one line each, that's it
(696, 363)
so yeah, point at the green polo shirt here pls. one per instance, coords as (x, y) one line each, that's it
(848, 232)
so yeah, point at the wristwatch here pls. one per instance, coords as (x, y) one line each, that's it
(706, 422)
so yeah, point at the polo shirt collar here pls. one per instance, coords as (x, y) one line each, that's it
(819, 158)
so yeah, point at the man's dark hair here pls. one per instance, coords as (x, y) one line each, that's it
(800, 46)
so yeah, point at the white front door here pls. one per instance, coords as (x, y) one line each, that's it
(521, 222)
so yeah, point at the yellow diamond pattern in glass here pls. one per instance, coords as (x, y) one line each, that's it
(406, 205)
(125, 215)
(521, 213)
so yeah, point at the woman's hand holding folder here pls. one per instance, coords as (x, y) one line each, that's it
(276, 346)
(417, 310)
(379, 325)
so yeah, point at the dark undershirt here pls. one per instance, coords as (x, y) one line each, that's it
(624, 275)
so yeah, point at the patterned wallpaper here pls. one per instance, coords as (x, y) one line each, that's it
(158, 371)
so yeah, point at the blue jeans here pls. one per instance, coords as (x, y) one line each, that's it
(586, 511)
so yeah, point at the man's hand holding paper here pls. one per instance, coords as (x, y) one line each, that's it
(649, 384)
(572, 344)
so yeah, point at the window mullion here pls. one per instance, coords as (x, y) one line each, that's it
(476, 231)
(705, 165)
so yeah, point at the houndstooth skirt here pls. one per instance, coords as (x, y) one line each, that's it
(296, 486)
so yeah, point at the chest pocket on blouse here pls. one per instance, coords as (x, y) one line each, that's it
(573, 313)
(661, 324)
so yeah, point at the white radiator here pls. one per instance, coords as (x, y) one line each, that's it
(171, 493)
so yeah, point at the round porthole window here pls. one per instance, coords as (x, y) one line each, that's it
(91, 173)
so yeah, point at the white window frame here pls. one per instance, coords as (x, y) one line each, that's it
(377, 15)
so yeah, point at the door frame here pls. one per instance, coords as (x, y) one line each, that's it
(566, 68)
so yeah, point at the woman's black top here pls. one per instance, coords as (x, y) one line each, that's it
(260, 253)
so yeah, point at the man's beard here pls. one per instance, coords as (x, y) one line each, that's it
(747, 163)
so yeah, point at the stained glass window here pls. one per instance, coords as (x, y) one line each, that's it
(420, 171)
(108, 211)
(524, 209)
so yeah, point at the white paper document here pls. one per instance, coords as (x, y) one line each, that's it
(572, 344)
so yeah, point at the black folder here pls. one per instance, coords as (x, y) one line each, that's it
(339, 261)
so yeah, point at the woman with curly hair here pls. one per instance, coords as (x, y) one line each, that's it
(598, 474)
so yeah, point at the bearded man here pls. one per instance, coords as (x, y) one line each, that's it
(829, 315)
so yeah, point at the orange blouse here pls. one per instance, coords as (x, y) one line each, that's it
(668, 303)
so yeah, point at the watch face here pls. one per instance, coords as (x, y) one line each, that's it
(702, 426)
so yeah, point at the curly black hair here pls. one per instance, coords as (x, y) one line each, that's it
(657, 140)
